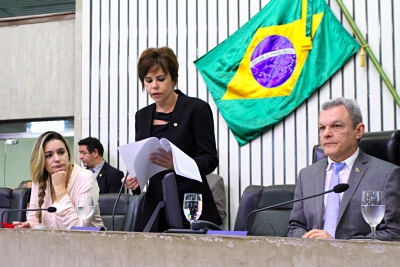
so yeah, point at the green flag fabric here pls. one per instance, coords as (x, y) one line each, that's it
(273, 63)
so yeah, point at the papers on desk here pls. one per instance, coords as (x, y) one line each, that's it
(136, 157)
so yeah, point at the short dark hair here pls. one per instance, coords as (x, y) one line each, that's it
(91, 144)
(24, 183)
(163, 58)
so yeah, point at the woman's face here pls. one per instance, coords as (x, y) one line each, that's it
(56, 156)
(159, 85)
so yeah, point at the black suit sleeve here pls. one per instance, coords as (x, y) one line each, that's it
(203, 131)
(114, 182)
(138, 137)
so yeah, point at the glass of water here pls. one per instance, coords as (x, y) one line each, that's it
(373, 208)
(192, 206)
(84, 207)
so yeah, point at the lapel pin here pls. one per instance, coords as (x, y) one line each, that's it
(357, 170)
(175, 124)
(100, 174)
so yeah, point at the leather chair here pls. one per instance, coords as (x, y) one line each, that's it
(123, 213)
(217, 187)
(272, 222)
(137, 224)
(383, 145)
(14, 199)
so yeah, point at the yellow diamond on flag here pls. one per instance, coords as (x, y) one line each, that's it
(273, 61)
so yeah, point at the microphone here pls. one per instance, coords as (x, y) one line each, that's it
(116, 202)
(339, 188)
(49, 209)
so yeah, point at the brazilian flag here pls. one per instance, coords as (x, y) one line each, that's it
(273, 63)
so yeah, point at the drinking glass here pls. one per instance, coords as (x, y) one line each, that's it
(84, 207)
(373, 208)
(192, 206)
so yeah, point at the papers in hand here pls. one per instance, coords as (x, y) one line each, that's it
(136, 157)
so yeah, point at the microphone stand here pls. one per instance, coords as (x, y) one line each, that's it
(116, 203)
(49, 209)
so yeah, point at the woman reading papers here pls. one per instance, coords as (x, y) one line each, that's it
(186, 122)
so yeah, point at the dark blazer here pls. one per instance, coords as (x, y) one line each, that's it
(191, 129)
(368, 173)
(109, 179)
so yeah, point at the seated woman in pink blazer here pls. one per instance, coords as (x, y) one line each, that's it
(57, 182)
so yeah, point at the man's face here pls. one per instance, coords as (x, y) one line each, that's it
(338, 138)
(88, 159)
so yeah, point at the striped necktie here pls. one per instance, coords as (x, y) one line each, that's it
(333, 201)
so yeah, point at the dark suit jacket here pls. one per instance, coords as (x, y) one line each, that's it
(109, 179)
(191, 129)
(368, 173)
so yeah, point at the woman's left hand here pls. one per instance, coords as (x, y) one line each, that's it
(163, 159)
(21, 224)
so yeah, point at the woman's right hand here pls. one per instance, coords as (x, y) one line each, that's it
(131, 182)
(21, 224)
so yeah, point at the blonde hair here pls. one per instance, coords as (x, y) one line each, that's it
(38, 172)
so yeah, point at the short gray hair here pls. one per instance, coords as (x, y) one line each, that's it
(351, 106)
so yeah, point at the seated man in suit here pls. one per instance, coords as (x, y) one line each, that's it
(91, 153)
(340, 129)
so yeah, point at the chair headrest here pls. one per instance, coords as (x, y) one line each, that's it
(384, 145)
(276, 194)
(5, 197)
(107, 202)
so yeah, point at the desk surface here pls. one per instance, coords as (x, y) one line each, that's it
(83, 248)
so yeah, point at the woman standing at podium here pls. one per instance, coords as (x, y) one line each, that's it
(185, 121)
(57, 182)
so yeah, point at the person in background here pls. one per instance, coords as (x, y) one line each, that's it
(57, 182)
(340, 130)
(25, 184)
(217, 187)
(185, 121)
(91, 153)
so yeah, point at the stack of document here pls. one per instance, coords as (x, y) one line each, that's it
(136, 157)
